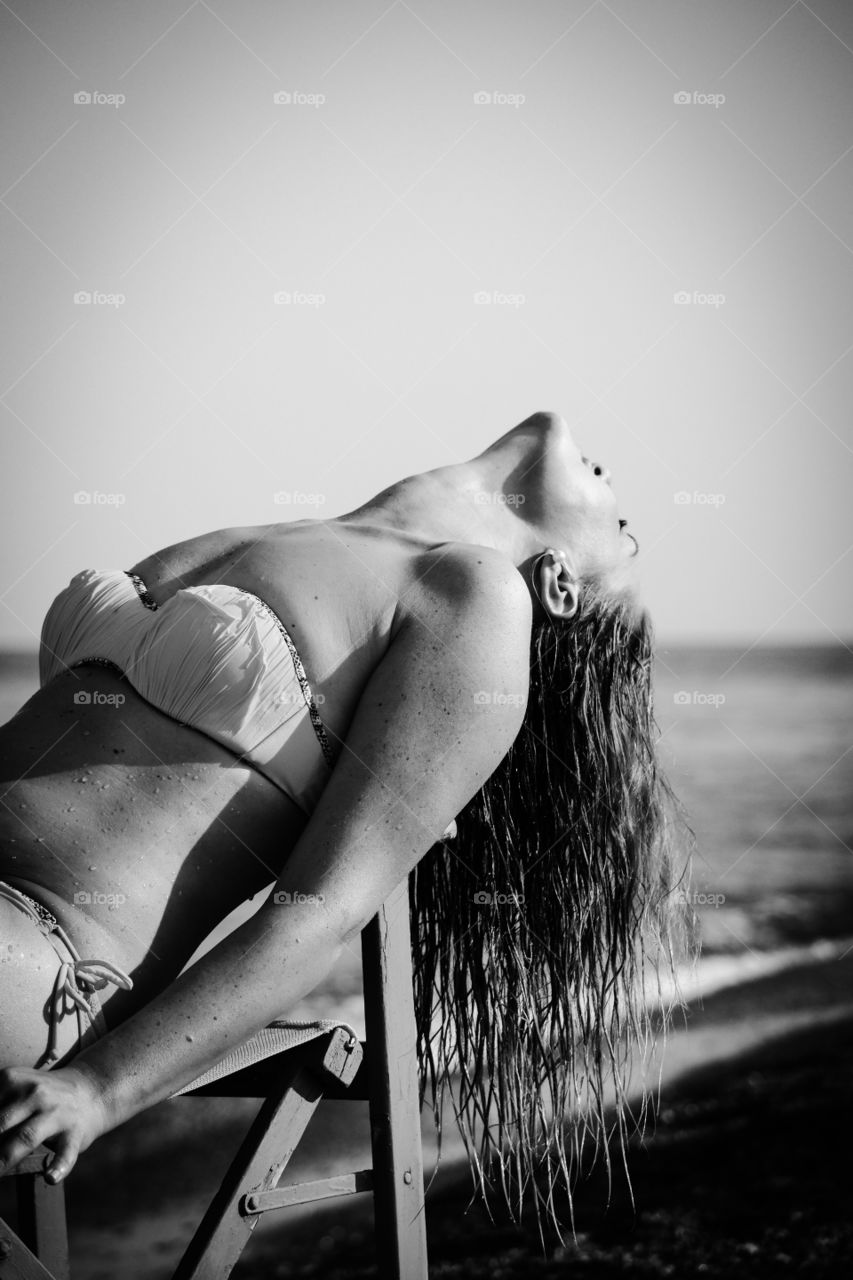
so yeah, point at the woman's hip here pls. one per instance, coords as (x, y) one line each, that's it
(46, 1010)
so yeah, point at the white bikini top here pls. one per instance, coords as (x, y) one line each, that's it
(214, 657)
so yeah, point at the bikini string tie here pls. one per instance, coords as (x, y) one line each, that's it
(76, 978)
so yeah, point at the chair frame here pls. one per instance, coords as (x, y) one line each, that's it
(381, 1070)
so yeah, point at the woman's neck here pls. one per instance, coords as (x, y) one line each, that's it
(464, 502)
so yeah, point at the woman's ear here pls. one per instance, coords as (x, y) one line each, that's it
(558, 590)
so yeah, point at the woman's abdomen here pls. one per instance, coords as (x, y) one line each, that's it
(137, 832)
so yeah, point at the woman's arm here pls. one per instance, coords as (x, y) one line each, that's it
(428, 730)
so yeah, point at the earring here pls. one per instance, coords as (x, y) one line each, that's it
(559, 557)
(563, 559)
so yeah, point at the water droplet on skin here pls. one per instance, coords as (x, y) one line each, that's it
(190, 1039)
(93, 868)
(39, 840)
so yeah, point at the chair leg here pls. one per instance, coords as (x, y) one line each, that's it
(394, 1101)
(230, 1219)
(41, 1222)
(16, 1261)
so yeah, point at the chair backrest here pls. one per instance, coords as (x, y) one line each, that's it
(398, 1188)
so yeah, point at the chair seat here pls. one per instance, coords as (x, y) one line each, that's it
(279, 1037)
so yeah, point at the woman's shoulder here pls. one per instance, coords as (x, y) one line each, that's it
(478, 583)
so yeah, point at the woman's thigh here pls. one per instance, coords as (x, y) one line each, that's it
(28, 969)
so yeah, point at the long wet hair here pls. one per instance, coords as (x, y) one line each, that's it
(536, 930)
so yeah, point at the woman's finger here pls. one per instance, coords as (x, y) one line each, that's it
(25, 1138)
(15, 1113)
(17, 1085)
(63, 1161)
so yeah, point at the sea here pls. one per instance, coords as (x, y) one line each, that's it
(758, 745)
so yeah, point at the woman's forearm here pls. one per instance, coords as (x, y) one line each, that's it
(253, 976)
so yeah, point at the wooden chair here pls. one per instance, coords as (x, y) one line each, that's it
(333, 1064)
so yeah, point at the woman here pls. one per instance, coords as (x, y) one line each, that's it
(312, 704)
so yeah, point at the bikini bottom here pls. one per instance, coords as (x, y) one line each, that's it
(77, 983)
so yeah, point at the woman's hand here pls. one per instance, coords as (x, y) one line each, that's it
(60, 1108)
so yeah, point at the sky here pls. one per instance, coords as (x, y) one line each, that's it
(260, 260)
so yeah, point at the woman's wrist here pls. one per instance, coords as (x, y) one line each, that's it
(95, 1096)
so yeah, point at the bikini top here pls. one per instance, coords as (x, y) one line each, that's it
(214, 657)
